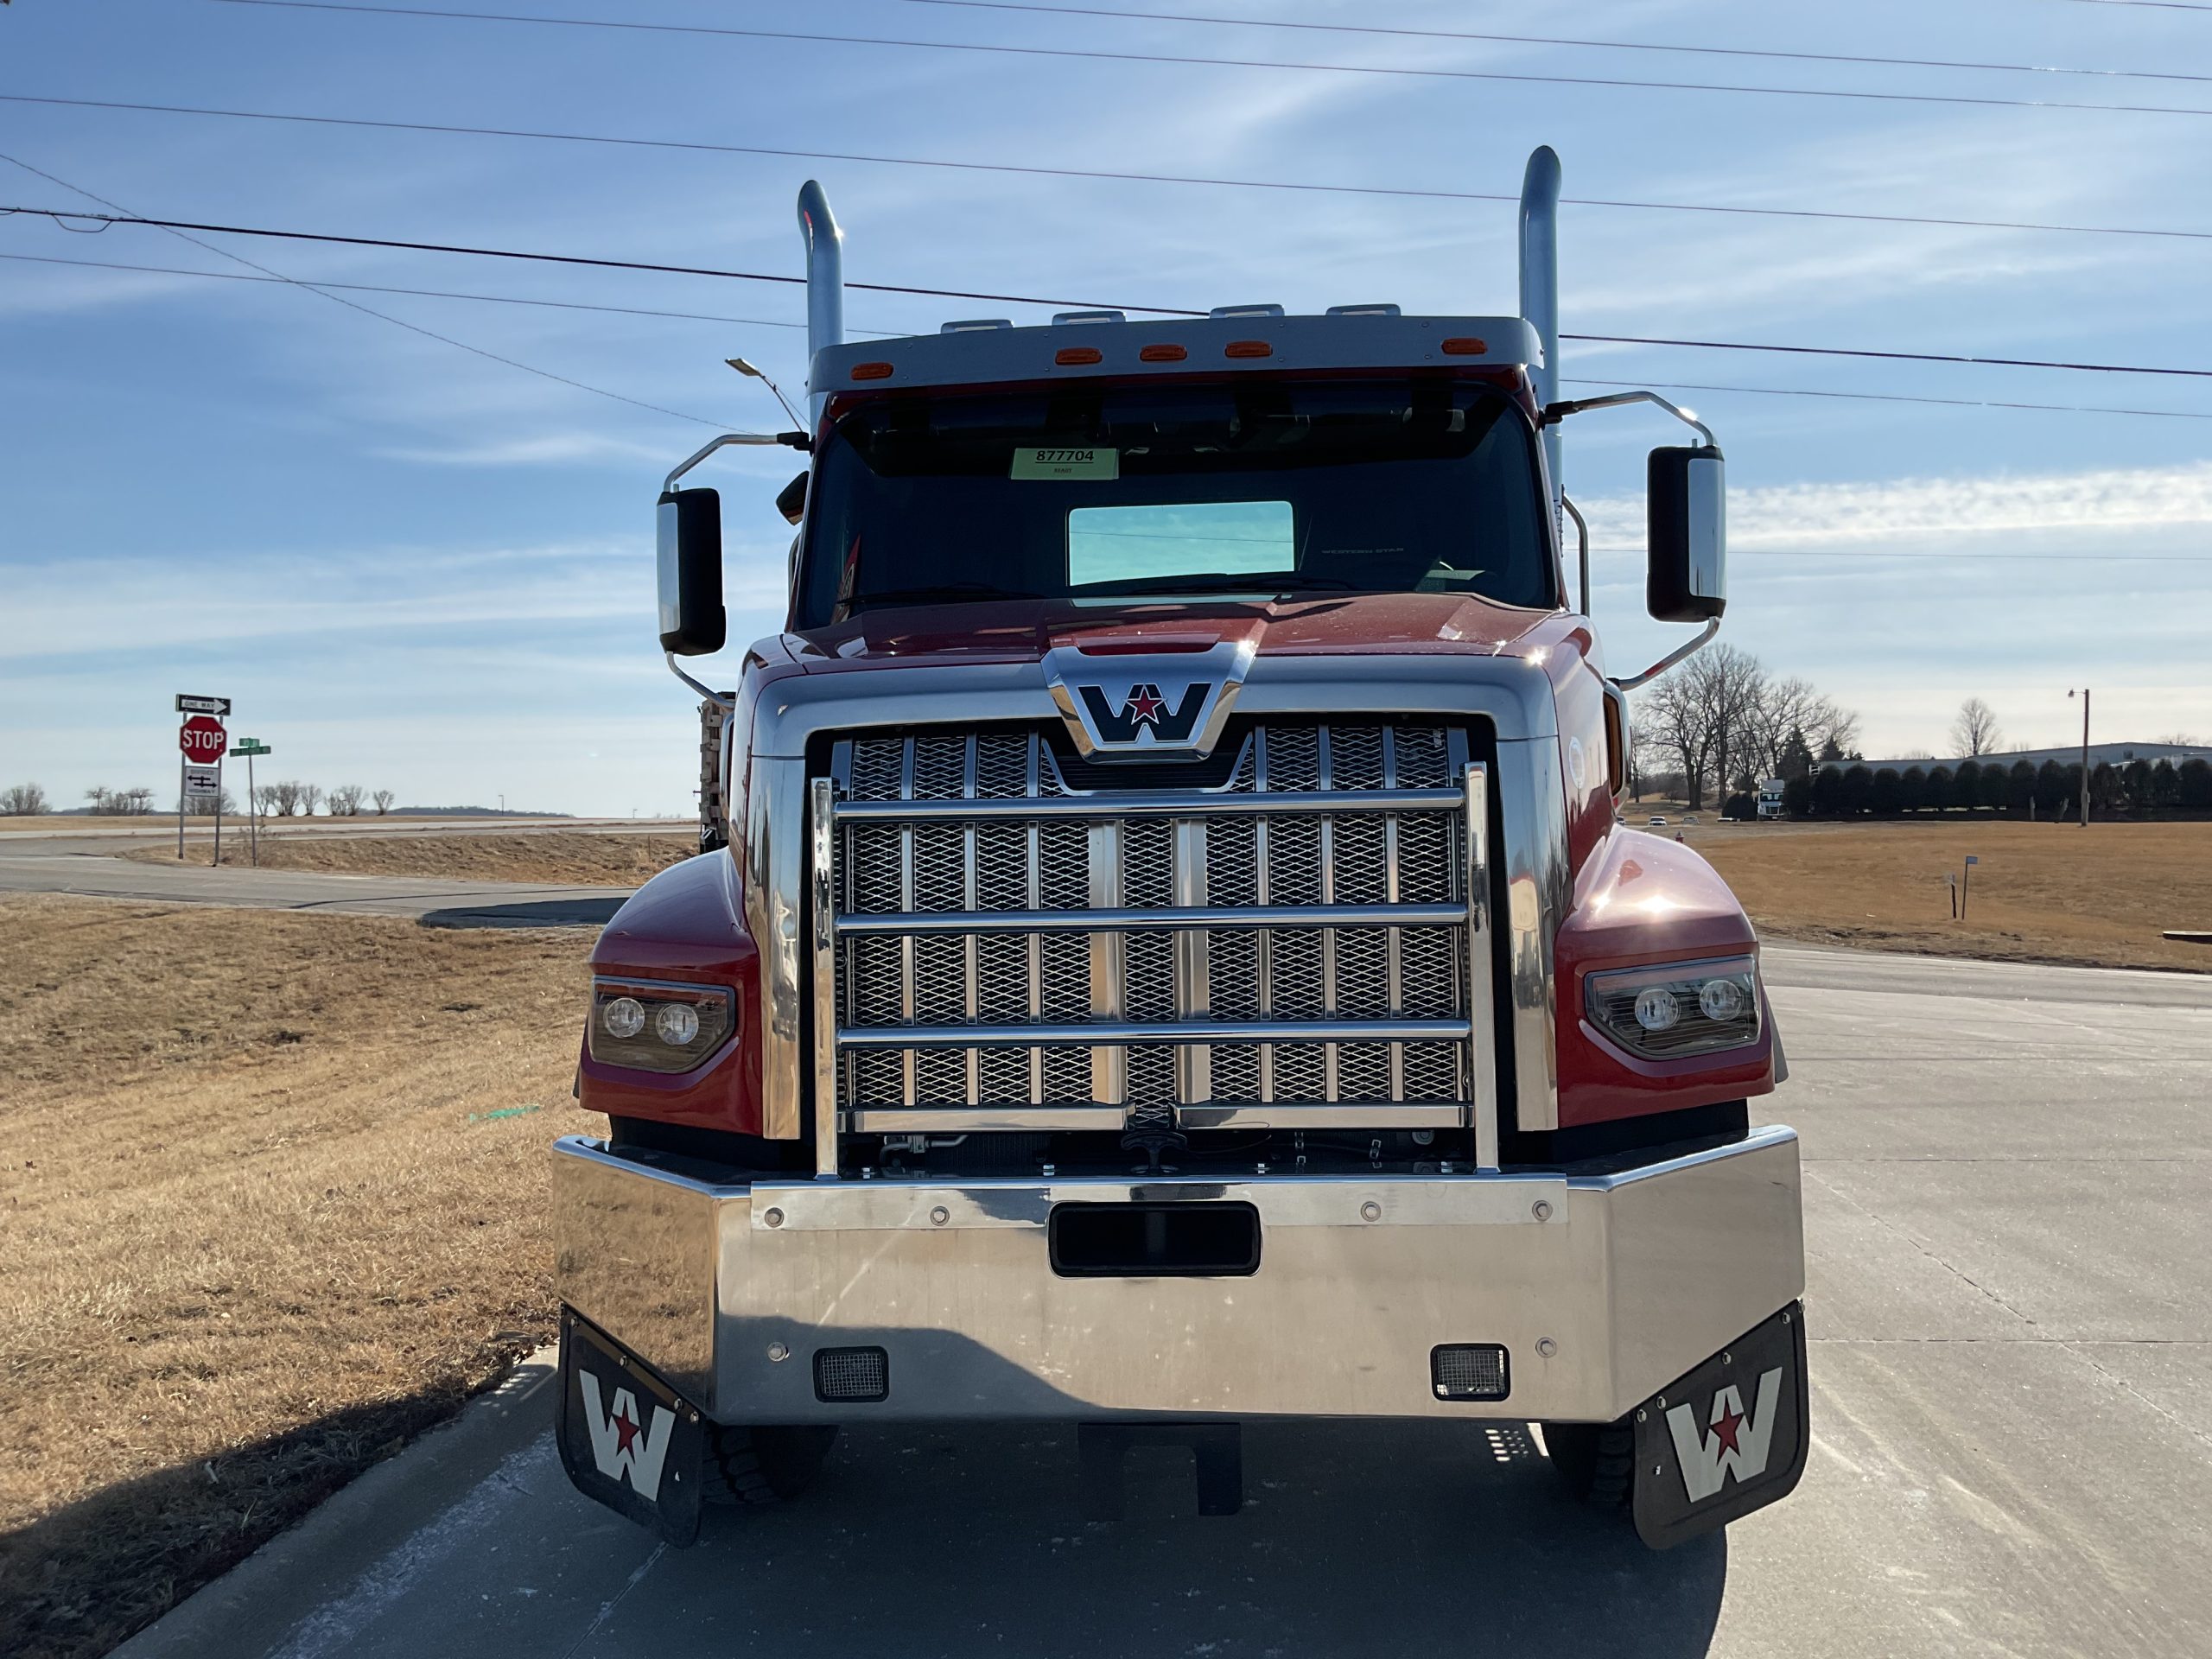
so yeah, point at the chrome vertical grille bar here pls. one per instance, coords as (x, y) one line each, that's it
(1193, 948)
(907, 946)
(1036, 952)
(822, 873)
(971, 975)
(1482, 1067)
(1330, 1057)
(1393, 941)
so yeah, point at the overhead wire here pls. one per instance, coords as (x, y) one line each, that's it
(58, 215)
(1098, 55)
(772, 322)
(1579, 42)
(181, 233)
(1035, 170)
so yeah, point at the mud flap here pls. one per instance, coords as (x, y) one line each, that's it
(627, 1439)
(1726, 1439)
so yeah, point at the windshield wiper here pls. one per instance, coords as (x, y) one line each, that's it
(941, 593)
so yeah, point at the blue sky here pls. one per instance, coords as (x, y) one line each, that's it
(416, 567)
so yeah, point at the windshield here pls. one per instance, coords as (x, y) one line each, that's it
(1258, 489)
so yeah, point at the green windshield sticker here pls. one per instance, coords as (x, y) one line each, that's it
(1067, 463)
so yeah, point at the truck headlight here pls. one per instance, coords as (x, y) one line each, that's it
(1677, 1008)
(658, 1025)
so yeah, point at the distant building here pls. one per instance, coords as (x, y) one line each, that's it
(2115, 755)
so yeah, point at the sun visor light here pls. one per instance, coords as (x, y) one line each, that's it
(658, 1025)
(1675, 1010)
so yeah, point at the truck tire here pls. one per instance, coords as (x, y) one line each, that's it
(754, 1467)
(1596, 1460)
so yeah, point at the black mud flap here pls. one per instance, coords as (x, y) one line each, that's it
(1729, 1438)
(628, 1440)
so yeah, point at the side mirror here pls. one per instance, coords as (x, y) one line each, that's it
(1685, 494)
(791, 500)
(692, 620)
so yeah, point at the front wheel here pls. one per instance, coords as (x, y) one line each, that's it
(755, 1466)
(1596, 1461)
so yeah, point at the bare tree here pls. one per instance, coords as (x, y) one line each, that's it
(346, 801)
(1703, 717)
(310, 799)
(22, 801)
(283, 799)
(135, 803)
(2183, 740)
(383, 798)
(1788, 714)
(1975, 731)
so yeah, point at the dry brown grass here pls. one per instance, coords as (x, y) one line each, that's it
(565, 857)
(2042, 892)
(259, 1228)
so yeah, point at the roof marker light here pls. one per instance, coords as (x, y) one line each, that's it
(1378, 310)
(1069, 357)
(1246, 311)
(1162, 353)
(1464, 346)
(1090, 316)
(974, 323)
(1247, 348)
(871, 371)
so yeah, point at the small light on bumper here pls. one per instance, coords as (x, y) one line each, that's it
(658, 1025)
(1674, 1010)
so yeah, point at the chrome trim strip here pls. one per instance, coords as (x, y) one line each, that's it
(1532, 798)
(976, 1120)
(1481, 1060)
(1122, 920)
(1160, 803)
(772, 861)
(1766, 1137)
(825, 980)
(1110, 1034)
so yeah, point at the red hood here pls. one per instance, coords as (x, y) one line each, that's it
(1021, 631)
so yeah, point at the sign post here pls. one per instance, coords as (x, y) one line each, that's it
(1965, 881)
(202, 738)
(250, 747)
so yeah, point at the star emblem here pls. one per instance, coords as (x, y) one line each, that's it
(1144, 705)
(626, 1431)
(1725, 1426)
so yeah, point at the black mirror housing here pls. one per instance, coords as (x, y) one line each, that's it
(689, 548)
(1686, 534)
(791, 500)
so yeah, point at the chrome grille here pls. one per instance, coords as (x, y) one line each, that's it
(1030, 955)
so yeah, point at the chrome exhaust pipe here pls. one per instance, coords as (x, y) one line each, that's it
(1540, 292)
(825, 287)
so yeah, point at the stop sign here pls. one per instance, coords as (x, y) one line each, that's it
(202, 738)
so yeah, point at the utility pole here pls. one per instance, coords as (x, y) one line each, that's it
(2085, 755)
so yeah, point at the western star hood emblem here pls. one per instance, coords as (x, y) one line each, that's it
(1170, 707)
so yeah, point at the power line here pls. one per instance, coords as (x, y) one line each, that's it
(61, 217)
(1549, 40)
(1036, 171)
(1894, 398)
(353, 305)
(1099, 55)
(890, 333)
(2155, 5)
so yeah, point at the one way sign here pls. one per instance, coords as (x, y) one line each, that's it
(187, 704)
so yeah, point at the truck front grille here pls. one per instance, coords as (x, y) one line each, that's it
(1286, 947)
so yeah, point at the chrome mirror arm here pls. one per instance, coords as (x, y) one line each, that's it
(721, 698)
(1704, 639)
(793, 440)
(1555, 413)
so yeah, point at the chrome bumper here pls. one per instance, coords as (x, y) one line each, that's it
(1604, 1288)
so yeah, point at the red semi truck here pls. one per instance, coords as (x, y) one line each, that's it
(1176, 960)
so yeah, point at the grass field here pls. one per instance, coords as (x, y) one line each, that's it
(272, 1188)
(553, 856)
(2041, 892)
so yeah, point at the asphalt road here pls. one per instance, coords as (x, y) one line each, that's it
(85, 864)
(2010, 1307)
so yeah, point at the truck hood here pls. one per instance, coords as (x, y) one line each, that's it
(1021, 631)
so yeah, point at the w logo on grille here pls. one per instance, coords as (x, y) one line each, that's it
(1144, 706)
(1172, 706)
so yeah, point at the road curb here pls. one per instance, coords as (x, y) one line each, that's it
(250, 1609)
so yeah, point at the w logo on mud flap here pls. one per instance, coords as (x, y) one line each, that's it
(1119, 722)
(622, 1447)
(1738, 1444)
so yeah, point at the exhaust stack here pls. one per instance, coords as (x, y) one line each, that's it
(1539, 291)
(825, 286)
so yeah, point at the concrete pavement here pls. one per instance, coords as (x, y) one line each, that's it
(2011, 1368)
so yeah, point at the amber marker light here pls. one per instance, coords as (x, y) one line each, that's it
(1464, 346)
(871, 371)
(1074, 357)
(1247, 348)
(1162, 355)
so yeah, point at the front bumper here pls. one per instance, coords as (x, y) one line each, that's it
(1604, 1288)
